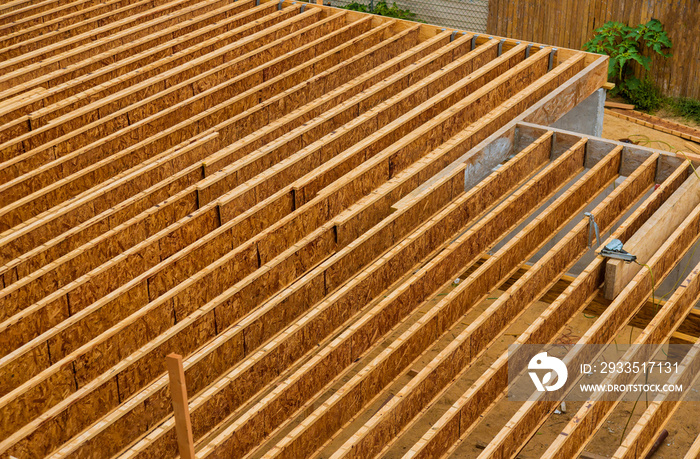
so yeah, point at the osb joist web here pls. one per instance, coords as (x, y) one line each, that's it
(278, 192)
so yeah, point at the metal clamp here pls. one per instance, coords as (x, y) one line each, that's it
(592, 229)
(614, 250)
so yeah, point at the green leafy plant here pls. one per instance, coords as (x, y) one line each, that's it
(644, 94)
(624, 45)
(685, 107)
(383, 9)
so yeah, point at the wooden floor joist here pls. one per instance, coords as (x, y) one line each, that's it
(530, 416)
(283, 194)
(573, 436)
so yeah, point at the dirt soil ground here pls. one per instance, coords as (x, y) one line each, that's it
(617, 129)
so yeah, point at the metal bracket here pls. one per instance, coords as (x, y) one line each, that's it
(303, 7)
(474, 41)
(452, 37)
(257, 2)
(279, 6)
(551, 58)
(614, 250)
(500, 46)
(527, 50)
(592, 229)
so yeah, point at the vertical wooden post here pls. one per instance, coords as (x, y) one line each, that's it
(178, 391)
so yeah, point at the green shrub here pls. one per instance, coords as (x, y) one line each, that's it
(687, 108)
(622, 43)
(382, 9)
(645, 95)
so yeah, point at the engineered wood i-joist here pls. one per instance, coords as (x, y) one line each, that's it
(87, 254)
(471, 242)
(237, 21)
(56, 160)
(120, 385)
(329, 314)
(136, 66)
(376, 433)
(81, 264)
(378, 133)
(103, 359)
(638, 442)
(30, 232)
(592, 414)
(694, 451)
(398, 260)
(25, 41)
(199, 78)
(16, 10)
(219, 180)
(71, 14)
(652, 235)
(461, 418)
(393, 98)
(532, 413)
(460, 144)
(70, 50)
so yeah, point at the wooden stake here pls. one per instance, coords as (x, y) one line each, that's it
(178, 391)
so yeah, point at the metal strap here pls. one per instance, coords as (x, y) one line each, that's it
(527, 50)
(551, 58)
(452, 37)
(279, 6)
(592, 229)
(500, 46)
(474, 41)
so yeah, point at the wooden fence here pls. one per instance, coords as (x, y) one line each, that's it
(570, 23)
